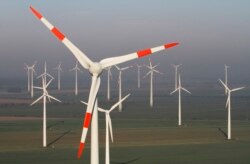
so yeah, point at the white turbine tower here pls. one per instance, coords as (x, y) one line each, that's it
(44, 97)
(226, 68)
(228, 105)
(176, 66)
(179, 88)
(139, 75)
(120, 83)
(95, 69)
(109, 126)
(151, 73)
(59, 70)
(30, 72)
(76, 69)
(109, 75)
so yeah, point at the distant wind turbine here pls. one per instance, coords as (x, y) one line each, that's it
(176, 74)
(45, 74)
(179, 88)
(59, 70)
(30, 72)
(44, 97)
(120, 83)
(228, 104)
(151, 73)
(76, 69)
(109, 126)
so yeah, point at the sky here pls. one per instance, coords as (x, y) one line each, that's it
(211, 33)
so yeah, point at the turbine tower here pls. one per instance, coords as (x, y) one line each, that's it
(228, 105)
(109, 75)
(139, 75)
(226, 68)
(59, 70)
(76, 69)
(44, 97)
(95, 69)
(176, 66)
(120, 83)
(151, 73)
(108, 126)
(179, 88)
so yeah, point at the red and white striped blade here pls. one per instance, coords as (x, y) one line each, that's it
(81, 57)
(121, 59)
(92, 97)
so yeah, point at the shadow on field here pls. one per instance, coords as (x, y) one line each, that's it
(55, 124)
(58, 138)
(130, 161)
(224, 133)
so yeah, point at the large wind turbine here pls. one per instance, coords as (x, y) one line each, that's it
(226, 68)
(44, 97)
(59, 70)
(109, 126)
(30, 73)
(120, 83)
(179, 88)
(176, 66)
(109, 75)
(76, 69)
(94, 68)
(151, 73)
(228, 105)
(139, 75)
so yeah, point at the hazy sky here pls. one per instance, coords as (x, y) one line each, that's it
(211, 33)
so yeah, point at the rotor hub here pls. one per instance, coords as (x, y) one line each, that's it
(95, 68)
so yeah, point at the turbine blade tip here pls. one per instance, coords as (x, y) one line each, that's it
(80, 150)
(36, 13)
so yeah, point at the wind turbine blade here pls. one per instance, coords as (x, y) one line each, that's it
(174, 91)
(185, 90)
(116, 104)
(84, 102)
(227, 100)
(157, 71)
(110, 127)
(81, 57)
(37, 100)
(126, 68)
(236, 89)
(118, 68)
(147, 74)
(91, 101)
(49, 96)
(38, 88)
(224, 84)
(99, 109)
(48, 83)
(121, 59)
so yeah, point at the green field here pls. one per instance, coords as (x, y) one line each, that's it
(141, 135)
(145, 141)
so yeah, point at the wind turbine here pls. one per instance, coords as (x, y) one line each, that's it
(226, 68)
(151, 73)
(139, 75)
(179, 88)
(109, 75)
(30, 73)
(59, 70)
(120, 83)
(109, 126)
(228, 105)
(76, 68)
(176, 66)
(95, 69)
(44, 96)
